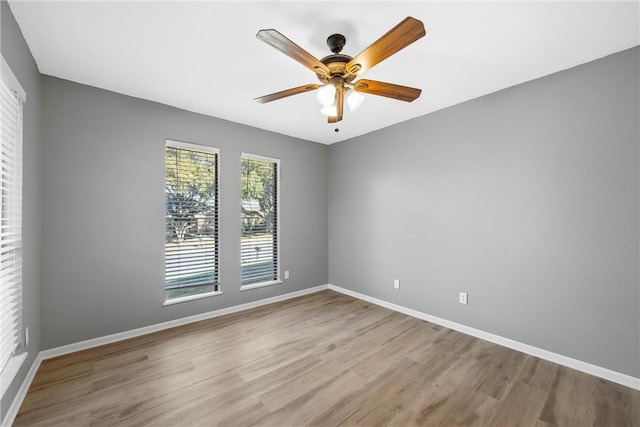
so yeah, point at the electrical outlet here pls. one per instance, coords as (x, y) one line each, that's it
(286, 275)
(463, 298)
(26, 336)
(396, 283)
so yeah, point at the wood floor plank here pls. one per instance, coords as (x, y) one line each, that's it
(389, 392)
(324, 359)
(342, 360)
(566, 394)
(318, 401)
(522, 406)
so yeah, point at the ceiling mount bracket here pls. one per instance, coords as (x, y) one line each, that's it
(336, 42)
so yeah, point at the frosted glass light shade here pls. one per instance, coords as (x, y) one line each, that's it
(326, 95)
(354, 100)
(329, 110)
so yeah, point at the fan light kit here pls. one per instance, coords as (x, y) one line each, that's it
(337, 71)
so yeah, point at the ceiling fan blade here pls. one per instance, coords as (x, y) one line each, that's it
(390, 90)
(285, 93)
(396, 39)
(292, 50)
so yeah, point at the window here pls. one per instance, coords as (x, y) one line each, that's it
(259, 213)
(191, 222)
(12, 97)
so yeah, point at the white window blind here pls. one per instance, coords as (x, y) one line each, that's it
(191, 218)
(11, 99)
(259, 213)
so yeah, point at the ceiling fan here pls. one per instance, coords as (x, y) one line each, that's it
(337, 71)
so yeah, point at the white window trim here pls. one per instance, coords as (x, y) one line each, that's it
(10, 371)
(192, 297)
(278, 278)
(213, 150)
(14, 364)
(261, 284)
(194, 147)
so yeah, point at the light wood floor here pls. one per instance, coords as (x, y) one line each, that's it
(322, 359)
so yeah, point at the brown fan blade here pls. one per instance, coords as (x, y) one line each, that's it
(399, 37)
(292, 50)
(403, 93)
(285, 93)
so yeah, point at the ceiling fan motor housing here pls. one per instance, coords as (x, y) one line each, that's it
(336, 64)
(338, 61)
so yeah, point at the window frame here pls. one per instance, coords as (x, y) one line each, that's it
(206, 149)
(278, 279)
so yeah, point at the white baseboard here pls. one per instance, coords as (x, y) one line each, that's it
(569, 362)
(108, 339)
(22, 392)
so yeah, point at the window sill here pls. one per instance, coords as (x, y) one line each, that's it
(10, 371)
(259, 285)
(191, 298)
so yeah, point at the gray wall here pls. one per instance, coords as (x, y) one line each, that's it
(103, 204)
(18, 56)
(527, 199)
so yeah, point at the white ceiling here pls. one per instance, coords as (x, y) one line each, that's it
(203, 56)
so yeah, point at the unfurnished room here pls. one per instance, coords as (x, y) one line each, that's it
(278, 213)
